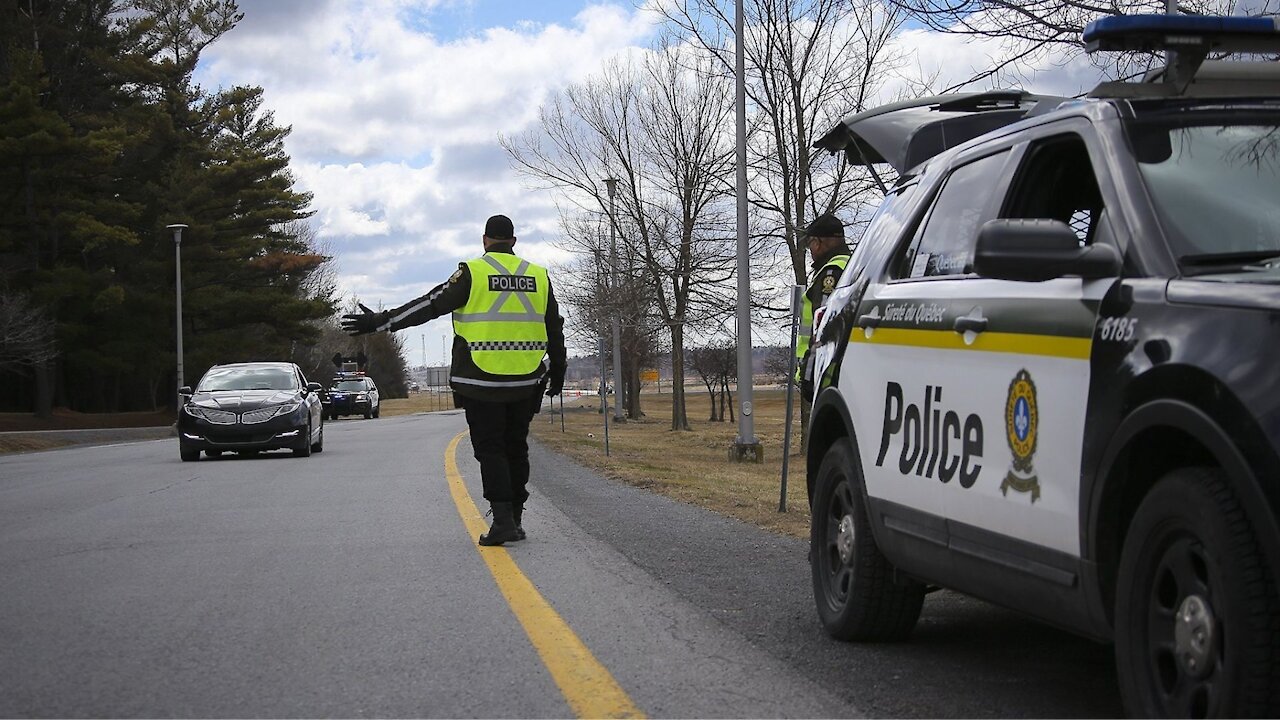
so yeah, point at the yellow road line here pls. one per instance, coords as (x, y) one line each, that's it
(587, 686)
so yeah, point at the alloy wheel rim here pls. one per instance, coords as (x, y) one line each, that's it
(1184, 643)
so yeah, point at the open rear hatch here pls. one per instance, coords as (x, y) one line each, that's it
(905, 134)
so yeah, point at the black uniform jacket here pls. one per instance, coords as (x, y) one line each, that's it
(451, 295)
(826, 279)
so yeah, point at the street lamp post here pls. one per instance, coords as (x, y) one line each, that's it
(612, 185)
(177, 276)
(745, 447)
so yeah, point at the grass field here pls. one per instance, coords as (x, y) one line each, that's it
(692, 466)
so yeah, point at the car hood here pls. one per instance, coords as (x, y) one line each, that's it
(242, 400)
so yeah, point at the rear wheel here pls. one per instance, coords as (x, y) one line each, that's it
(1197, 617)
(853, 583)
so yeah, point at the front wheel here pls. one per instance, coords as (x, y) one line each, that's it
(854, 587)
(304, 449)
(1197, 618)
(188, 455)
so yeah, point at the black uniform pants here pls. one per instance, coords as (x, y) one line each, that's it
(500, 442)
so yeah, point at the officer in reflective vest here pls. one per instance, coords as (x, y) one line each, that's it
(508, 350)
(825, 239)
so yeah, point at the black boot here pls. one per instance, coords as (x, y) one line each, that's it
(504, 527)
(517, 511)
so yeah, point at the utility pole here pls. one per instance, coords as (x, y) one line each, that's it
(612, 184)
(746, 448)
(177, 276)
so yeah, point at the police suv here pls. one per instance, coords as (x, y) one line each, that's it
(1050, 376)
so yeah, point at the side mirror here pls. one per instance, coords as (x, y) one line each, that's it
(186, 391)
(1037, 250)
(313, 387)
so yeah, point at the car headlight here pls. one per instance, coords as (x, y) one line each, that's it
(266, 413)
(218, 417)
(362, 396)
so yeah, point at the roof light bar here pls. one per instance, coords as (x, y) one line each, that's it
(1206, 33)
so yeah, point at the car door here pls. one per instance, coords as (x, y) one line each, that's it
(983, 383)
(1035, 340)
(912, 402)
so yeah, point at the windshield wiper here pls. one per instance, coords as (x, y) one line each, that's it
(1246, 257)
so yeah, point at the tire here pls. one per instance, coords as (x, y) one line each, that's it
(1197, 617)
(304, 450)
(319, 446)
(853, 583)
(377, 410)
(368, 414)
(213, 453)
(188, 455)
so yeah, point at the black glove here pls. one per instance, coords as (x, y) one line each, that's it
(555, 386)
(365, 322)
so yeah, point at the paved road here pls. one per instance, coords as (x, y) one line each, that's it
(347, 584)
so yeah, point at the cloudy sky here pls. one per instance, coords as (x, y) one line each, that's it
(396, 107)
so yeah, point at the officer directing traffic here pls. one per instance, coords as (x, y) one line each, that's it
(508, 347)
(825, 239)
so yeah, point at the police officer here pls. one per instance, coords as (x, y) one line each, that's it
(825, 239)
(508, 348)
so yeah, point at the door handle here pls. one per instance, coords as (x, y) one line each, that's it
(869, 321)
(970, 324)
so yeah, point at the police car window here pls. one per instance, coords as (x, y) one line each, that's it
(1057, 182)
(1215, 186)
(943, 244)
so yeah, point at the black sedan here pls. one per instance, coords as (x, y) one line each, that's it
(249, 407)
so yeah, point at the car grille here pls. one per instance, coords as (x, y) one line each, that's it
(239, 438)
(218, 417)
(258, 416)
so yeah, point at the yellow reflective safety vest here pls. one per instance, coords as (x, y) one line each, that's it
(504, 320)
(806, 315)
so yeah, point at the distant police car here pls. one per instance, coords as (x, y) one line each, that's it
(1050, 376)
(352, 393)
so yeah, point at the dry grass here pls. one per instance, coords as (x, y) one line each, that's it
(690, 466)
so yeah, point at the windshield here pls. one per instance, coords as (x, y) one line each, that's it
(248, 378)
(1216, 186)
(350, 386)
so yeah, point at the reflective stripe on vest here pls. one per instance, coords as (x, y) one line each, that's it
(504, 319)
(806, 316)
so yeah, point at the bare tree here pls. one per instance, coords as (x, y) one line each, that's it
(26, 333)
(717, 366)
(809, 62)
(1027, 31)
(659, 128)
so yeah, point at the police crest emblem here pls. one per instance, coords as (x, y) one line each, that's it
(1021, 426)
(828, 284)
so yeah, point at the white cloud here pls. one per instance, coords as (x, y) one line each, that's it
(395, 125)
(396, 113)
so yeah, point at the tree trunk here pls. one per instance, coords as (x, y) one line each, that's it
(711, 393)
(44, 391)
(633, 387)
(679, 419)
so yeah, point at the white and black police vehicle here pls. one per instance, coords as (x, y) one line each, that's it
(1050, 376)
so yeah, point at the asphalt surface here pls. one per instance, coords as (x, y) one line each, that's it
(345, 584)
